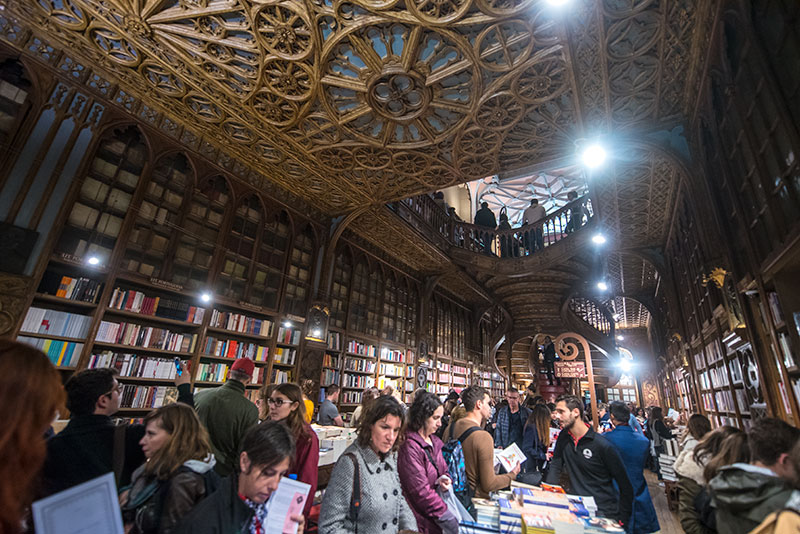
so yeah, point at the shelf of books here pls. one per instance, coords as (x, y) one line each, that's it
(787, 331)
(332, 362)
(444, 375)
(142, 330)
(460, 375)
(485, 378)
(410, 383)
(721, 384)
(498, 385)
(230, 335)
(358, 372)
(287, 344)
(391, 370)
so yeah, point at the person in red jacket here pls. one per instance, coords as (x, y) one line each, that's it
(286, 406)
(422, 468)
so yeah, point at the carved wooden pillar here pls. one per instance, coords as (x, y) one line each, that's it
(14, 291)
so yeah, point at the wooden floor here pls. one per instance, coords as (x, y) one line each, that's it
(666, 519)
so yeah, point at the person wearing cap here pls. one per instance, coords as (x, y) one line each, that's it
(227, 414)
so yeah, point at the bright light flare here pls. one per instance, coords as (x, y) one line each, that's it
(594, 156)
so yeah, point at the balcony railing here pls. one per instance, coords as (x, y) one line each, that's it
(526, 239)
(511, 243)
(590, 313)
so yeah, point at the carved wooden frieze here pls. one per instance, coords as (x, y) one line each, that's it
(365, 101)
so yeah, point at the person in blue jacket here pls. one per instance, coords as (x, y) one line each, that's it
(633, 448)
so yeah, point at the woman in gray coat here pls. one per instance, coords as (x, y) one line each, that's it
(371, 502)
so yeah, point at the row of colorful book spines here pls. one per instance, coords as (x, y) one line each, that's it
(334, 340)
(358, 381)
(218, 372)
(330, 377)
(55, 323)
(362, 349)
(281, 377)
(362, 367)
(228, 348)
(137, 335)
(237, 322)
(391, 369)
(350, 397)
(289, 336)
(79, 289)
(61, 353)
(134, 396)
(393, 356)
(134, 365)
(138, 302)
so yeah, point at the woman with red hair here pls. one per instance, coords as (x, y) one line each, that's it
(30, 396)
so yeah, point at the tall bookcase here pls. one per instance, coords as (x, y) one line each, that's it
(152, 264)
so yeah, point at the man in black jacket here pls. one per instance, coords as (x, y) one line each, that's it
(85, 448)
(591, 461)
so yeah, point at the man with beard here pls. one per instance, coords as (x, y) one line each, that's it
(591, 462)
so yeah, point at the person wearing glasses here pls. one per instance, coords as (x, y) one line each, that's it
(85, 448)
(286, 406)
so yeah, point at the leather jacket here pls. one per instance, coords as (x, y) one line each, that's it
(156, 506)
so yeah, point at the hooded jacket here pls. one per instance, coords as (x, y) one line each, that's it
(686, 466)
(744, 495)
(783, 521)
(156, 506)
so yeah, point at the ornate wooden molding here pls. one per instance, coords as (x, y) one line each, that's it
(14, 297)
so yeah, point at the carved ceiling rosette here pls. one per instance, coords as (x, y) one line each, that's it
(399, 85)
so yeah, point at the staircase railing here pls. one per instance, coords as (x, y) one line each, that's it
(590, 313)
(510, 243)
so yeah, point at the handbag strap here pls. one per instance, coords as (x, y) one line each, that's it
(430, 457)
(355, 497)
(118, 458)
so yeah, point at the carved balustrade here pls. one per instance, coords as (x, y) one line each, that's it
(591, 313)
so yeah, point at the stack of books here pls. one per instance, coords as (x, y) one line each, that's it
(531, 510)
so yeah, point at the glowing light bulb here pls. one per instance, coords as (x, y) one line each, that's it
(206, 297)
(594, 156)
(602, 286)
(598, 239)
(93, 260)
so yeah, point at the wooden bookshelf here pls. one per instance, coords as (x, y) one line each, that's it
(157, 228)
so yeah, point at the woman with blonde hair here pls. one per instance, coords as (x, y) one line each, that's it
(286, 406)
(177, 475)
(30, 397)
(308, 392)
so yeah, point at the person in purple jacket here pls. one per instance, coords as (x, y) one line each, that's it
(422, 469)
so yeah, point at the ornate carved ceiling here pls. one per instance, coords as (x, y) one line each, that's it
(356, 102)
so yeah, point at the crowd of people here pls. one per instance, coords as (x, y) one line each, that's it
(210, 462)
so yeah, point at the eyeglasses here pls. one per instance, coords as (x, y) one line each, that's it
(279, 402)
(117, 389)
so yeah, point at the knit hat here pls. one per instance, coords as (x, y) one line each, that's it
(244, 365)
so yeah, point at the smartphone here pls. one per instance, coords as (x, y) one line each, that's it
(178, 366)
